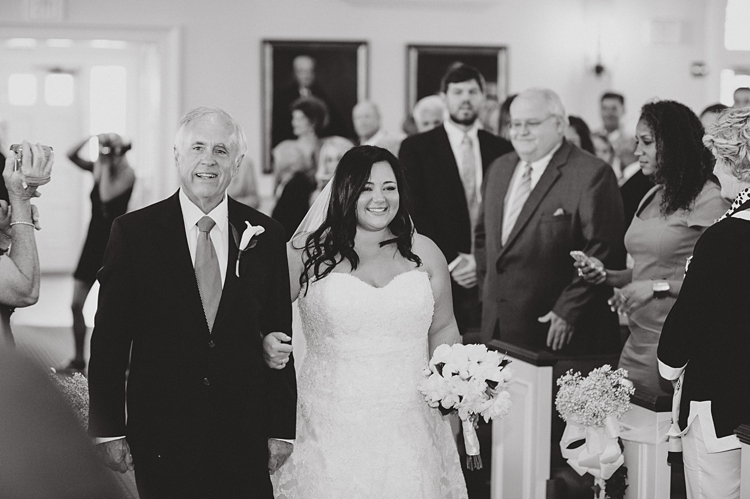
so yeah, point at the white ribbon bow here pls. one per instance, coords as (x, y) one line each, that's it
(600, 455)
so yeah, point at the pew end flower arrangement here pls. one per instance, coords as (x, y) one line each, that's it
(75, 390)
(470, 381)
(592, 407)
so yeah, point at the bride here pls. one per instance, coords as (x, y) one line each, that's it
(375, 301)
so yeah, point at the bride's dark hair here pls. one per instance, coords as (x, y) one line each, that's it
(333, 241)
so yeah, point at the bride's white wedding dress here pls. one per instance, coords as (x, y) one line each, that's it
(363, 428)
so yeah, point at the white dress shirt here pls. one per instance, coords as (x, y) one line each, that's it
(456, 137)
(537, 169)
(219, 237)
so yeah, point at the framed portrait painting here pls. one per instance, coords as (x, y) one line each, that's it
(426, 65)
(334, 72)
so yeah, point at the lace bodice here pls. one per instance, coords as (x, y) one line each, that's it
(363, 428)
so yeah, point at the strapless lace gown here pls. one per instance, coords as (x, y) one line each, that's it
(363, 428)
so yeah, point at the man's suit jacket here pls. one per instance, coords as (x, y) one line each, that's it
(439, 208)
(191, 393)
(575, 205)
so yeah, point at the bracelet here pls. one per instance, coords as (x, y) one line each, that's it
(22, 223)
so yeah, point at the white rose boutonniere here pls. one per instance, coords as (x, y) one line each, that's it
(247, 241)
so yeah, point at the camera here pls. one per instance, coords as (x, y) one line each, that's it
(18, 151)
(109, 149)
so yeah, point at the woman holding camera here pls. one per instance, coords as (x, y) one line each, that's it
(113, 185)
(19, 260)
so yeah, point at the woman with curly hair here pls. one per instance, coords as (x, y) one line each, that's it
(671, 217)
(705, 338)
(375, 301)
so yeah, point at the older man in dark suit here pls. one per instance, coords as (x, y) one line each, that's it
(183, 310)
(539, 203)
(445, 167)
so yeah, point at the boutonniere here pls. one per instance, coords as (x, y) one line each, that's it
(247, 241)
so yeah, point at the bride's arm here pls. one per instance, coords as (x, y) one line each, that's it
(443, 328)
(296, 267)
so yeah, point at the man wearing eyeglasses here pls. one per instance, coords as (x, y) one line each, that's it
(539, 203)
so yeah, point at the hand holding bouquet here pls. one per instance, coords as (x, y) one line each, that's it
(471, 381)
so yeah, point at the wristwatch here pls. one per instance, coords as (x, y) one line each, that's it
(661, 289)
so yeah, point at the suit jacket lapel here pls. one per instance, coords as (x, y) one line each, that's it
(546, 181)
(451, 176)
(175, 253)
(231, 281)
(486, 155)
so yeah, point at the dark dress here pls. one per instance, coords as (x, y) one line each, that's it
(294, 202)
(102, 216)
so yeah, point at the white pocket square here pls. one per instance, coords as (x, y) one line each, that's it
(558, 212)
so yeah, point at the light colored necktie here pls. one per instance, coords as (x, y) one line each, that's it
(207, 271)
(515, 205)
(469, 178)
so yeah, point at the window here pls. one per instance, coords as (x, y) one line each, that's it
(736, 21)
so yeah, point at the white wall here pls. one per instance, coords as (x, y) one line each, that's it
(551, 43)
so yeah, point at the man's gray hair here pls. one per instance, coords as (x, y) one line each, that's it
(431, 102)
(238, 134)
(551, 99)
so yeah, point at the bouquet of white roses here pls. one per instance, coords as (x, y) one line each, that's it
(471, 381)
(592, 406)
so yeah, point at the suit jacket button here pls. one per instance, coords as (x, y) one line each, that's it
(211, 343)
(205, 381)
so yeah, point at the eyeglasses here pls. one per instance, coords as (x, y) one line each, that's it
(529, 124)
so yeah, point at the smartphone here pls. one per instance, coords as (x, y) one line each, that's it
(583, 258)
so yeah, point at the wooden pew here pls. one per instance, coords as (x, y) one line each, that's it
(645, 449)
(526, 443)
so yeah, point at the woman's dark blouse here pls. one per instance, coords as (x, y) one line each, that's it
(708, 327)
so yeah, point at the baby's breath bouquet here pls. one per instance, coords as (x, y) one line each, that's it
(471, 381)
(75, 389)
(592, 407)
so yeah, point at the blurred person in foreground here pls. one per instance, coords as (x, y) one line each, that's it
(444, 169)
(186, 297)
(539, 203)
(44, 450)
(671, 217)
(704, 343)
(113, 185)
(19, 260)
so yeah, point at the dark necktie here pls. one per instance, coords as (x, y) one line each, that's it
(207, 271)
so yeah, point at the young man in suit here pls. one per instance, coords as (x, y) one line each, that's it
(539, 203)
(445, 167)
(182, 311)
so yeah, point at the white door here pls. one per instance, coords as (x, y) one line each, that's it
(69, 89)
